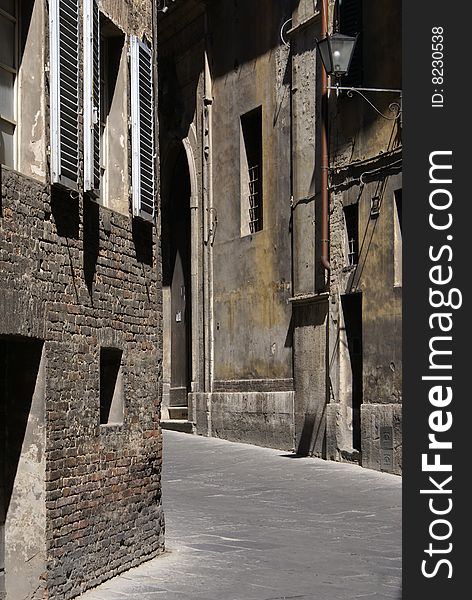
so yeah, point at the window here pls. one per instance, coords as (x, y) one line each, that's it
(251, 172)
(113, 118)
(8, 71)
(92, 174)
(350, 23)
(397, 238)
(111, 387)
(106, 95)
(351, 220)
(142, 123)
(64, 90)
(15, 18)
(105, 110)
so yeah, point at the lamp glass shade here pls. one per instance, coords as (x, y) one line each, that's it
(325, 53)
(342, 49)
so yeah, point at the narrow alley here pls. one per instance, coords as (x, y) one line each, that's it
(250, 523)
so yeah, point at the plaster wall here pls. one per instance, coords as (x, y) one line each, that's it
(363, 142)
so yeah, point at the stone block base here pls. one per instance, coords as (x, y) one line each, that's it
(259, 418)
(381, 426)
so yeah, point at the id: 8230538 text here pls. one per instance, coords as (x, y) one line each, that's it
(437, 66)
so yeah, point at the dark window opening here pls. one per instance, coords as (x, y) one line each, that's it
(352, 311)
(350, 23)
(251, 172)
(351, 218)
(111, 47)
(111, 386)
(111, 50)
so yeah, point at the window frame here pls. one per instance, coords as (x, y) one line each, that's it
(351, 221)
(56, 99)
(111, 387)
(13, 122)
(139, 207)
(397, 238)
(251, 144)
(91, 97)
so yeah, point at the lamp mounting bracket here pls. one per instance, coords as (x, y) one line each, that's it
(394, 107)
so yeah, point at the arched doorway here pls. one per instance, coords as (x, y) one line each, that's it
(177, 309)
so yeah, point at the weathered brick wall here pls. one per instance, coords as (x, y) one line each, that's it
(82, 277)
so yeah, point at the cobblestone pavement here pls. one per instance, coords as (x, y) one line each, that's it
(249, 523)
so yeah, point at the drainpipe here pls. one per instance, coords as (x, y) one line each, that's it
(211, 219)
(208, 236)
(324, 150)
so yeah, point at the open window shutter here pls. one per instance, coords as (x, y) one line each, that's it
(142, 129)
(350, 23)
(64, 90)
(91, 96)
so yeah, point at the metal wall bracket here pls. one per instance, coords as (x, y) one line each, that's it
(395, 107)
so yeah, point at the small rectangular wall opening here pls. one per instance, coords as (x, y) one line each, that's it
(397, 238)
(111, 387)
(351, 220)
(251, 171)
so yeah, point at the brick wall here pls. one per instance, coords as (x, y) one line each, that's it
(81, 277)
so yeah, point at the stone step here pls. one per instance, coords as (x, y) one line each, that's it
(177, 425)
(178, 412)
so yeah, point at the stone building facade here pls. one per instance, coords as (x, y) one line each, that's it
(261, 343)
(365, 341)
(80, 297)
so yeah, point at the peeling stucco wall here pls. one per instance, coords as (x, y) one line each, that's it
(252, 331)
(251, 311)
(117, 147)
(131, 16)
(32, 142)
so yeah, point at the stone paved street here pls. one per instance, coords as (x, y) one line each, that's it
(249, 523)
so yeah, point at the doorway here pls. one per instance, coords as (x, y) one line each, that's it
(22, 467)
(176, 233)
(352, 311)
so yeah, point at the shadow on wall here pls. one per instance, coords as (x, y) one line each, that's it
(237, 39)
(143, 241)
(293, 455)
(65, 208)
(313, 432)
(311, 379)
(91, 242)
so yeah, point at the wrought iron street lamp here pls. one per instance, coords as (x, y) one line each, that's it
(336, 52)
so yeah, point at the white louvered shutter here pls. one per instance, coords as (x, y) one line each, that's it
(64, 90)
(142, 123)
(91, 96)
